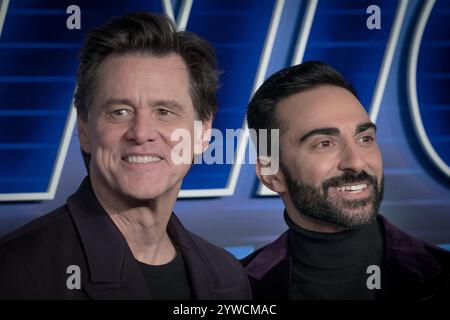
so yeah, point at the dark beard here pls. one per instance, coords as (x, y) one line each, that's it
(317, 204)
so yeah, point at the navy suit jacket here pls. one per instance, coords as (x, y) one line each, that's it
(412, 269)
(34, 259)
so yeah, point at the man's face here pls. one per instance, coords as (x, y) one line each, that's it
(139, 101)
(330, 160)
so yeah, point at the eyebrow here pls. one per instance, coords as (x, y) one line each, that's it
(320, 131)
(365, 126)
(167, 103)
(115, 101)
(331, 131)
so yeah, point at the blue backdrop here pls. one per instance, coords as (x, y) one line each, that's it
(400, 71)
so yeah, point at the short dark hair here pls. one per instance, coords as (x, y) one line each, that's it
(261, 111)
(152, 34)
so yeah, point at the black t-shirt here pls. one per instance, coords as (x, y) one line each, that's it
(334, 265)
(168, 281)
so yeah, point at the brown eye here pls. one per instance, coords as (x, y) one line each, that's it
(325, 144)
(163, 112)
(367, 139)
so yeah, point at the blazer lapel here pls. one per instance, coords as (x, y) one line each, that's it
(269, 271)
(113, 270)
(411, 270)
(201, 275)
(132, 285)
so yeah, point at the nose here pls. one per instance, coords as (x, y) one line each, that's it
(142, 129)
(352, 159)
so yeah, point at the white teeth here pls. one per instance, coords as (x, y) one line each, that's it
(356, 188)
(142, 159)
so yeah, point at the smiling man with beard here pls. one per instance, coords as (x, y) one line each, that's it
(331, 183)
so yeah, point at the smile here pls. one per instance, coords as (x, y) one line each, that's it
(353, 188)
(142, 159)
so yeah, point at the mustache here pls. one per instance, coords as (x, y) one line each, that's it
(349, 177)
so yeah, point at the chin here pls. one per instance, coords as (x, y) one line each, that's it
(142, 191)
(135, 195)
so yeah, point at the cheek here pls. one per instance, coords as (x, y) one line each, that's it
(106, 139)
(376, 162)
(181, 137)
(183, 169)
(318, 172)
(310, 171)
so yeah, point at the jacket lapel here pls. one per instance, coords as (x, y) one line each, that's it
(113, 271)
(201, 276)
(412, 271)
(270, 269)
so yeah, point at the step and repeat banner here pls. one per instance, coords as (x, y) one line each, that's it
(394, 53)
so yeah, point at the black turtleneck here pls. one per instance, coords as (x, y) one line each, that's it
(334, 265)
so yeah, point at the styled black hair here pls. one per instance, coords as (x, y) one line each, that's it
(261, 111)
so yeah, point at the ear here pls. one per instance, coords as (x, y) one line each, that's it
(83, 134)
(202, 136)
(274, 181)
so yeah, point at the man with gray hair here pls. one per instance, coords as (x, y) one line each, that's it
(139, 79)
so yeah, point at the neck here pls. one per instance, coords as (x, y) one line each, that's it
(142, 223)
(146, 235)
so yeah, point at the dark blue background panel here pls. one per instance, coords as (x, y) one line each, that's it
(433, 79)
(237, 30)
(39, 57)
(340, 37)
